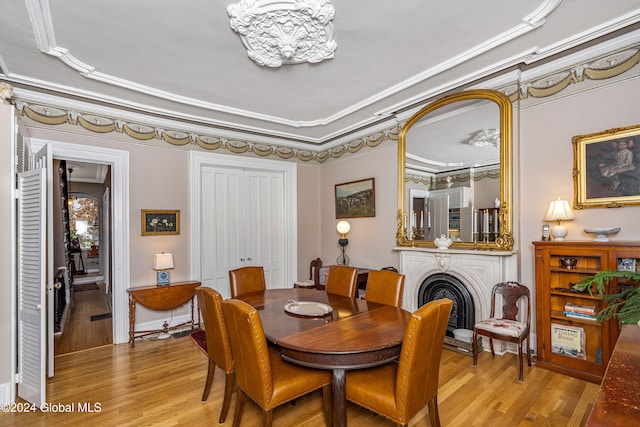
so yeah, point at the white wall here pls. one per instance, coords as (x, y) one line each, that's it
(547, 163)
(7, 183)
(309, 212)
(371, 239)
(158, 180)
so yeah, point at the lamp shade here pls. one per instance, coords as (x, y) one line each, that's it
(559, 210)
(343, 228)
(162, 261)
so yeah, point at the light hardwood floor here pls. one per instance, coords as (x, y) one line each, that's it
(80, 332)
(160, 382)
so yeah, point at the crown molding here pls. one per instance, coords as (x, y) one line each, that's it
(48, 110)
(45, 38)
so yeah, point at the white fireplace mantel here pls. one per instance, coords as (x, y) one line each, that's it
(478, 270)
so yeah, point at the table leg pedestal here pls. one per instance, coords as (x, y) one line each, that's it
(339, 398)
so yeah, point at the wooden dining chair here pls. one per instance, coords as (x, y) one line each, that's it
(385, 287)
(398, 391)
(218, 345)
(342, 280)
(314, 276)
(314, 271)
(265, 377)
(506, 327)
(246, 279)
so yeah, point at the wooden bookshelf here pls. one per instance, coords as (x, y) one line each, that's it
(554, 289)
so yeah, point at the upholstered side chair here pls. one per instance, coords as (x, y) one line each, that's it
(342, 280)
(267, 379)
(218, 346)
(246, 279)
(398, 391)
(385, 287)
(509, 327)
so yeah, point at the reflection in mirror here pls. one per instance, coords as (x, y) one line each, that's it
(455, 172)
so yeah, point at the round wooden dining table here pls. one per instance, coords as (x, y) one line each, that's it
(355, 334)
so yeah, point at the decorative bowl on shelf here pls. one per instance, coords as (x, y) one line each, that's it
(601, 233)
(443, 242)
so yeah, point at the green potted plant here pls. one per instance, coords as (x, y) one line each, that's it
(623, 306)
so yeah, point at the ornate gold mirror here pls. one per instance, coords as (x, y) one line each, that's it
(455, 173)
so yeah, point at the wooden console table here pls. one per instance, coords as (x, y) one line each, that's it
(160, 298)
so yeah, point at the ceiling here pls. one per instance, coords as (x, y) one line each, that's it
(181, 59)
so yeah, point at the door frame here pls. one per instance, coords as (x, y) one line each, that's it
(289, 169)
(119, 162)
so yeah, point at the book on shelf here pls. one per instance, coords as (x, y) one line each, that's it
(580, 316)
(567, 341)
(580, 309)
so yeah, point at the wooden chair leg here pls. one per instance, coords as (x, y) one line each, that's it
(267, 418)
(434, 416)
(520, 363)
(474, 346)
(528, 352)
(211, 370)
(226, 401)
(237, 415)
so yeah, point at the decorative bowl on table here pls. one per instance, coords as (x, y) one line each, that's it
(443, 242)
(601, 233)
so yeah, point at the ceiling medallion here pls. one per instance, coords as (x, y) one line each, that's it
(277, 32)
(486, 138)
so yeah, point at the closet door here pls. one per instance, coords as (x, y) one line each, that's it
(242, 223)
(265, 226)
(221, 218)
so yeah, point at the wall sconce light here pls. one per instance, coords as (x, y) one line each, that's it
(162, 263)
(343, 228)
(559, 210)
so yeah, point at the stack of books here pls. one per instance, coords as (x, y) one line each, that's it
(583, 312)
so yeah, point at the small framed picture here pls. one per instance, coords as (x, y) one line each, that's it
(626, 264)
(356, 199)
(160, 222)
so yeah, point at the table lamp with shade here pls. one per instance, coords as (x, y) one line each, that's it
(559, 210)
(162, 263)
(343, 228)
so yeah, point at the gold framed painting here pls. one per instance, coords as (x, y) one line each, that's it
(606, 168)
(356, 199)
(160, 222)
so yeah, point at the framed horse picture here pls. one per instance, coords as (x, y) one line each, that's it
(356, 199)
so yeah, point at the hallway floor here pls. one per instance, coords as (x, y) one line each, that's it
(80, 332)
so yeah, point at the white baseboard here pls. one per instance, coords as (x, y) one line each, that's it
(5, 393)
(87, 279)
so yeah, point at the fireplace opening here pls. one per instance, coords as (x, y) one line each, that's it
(438, 286)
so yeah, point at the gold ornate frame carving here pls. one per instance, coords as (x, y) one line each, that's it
(605, 168)
(505, 239)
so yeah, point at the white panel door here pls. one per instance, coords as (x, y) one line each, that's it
(242, 223)
(221, 219)
(439, 208)
(31, 286)
(264, 212)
